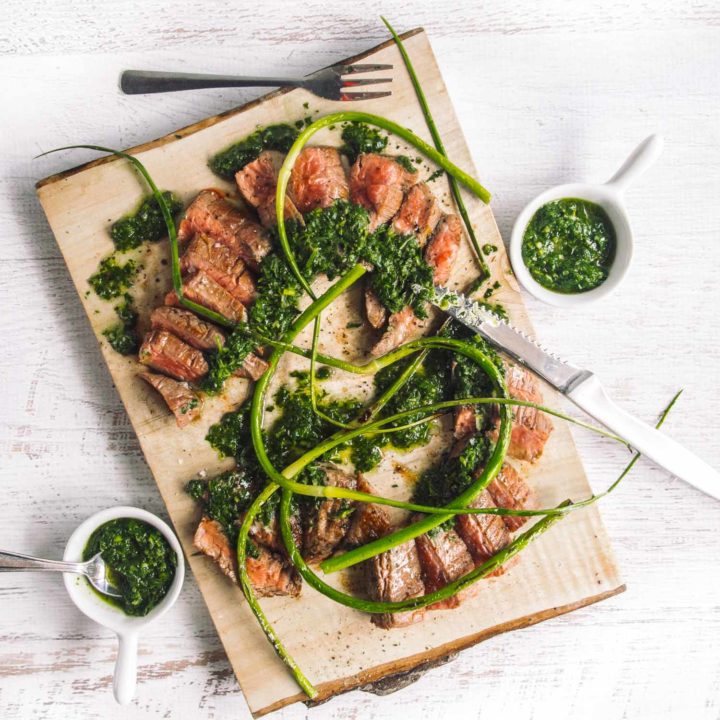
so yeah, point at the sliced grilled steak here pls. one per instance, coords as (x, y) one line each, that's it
(465, 422)
(484, 535)
(444, 557)
(211, 540)
(375, 311)
(531, 428)
(509, 490)
(327, 521)
(442, 250)
(188, 327)
(369, 521)
(253, 367)
(220, 263)
(271, 573)
(318, 179)
(441, 254)
(419, 213)
(401, 326)
(270, 535)
(168, 354)
(202, 289)
(257, 183)
(184, 403)
(378, 183)
(211, 214)
(395, 575)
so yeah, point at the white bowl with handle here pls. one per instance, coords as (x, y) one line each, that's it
(127, 627)
(609, 196)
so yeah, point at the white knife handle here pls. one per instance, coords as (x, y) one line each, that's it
(656, 446)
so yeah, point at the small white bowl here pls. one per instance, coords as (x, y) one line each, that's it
(610, 197)
(125, 626)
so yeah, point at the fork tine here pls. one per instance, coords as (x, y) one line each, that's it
(350, 69)
(365, 81)
(363, 95)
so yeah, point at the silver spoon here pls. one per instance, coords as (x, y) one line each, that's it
(94, 569)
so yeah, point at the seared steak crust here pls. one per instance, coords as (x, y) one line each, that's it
(220, 263)
(188, 327)
(168, 354)
(184, 403)
(211, 214)
(395, 575)
(444, 557)
(326, 522)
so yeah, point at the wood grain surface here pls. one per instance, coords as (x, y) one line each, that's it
(545, 93)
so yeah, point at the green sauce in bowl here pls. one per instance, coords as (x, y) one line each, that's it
(569, 245)
(140, 563)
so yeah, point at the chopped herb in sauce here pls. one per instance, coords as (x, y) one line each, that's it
(236, 157)
(112, 279)
(406, 162)
(140, 562)
(441, 484)
(227, 359)
(360, 138)
(569, 245)
(488, 248)
(438, 173)
(331, 241)
(122, 336)
(146, 224)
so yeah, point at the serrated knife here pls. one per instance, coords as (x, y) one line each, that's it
(582, 388)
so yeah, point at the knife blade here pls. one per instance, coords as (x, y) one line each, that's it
(584, 389)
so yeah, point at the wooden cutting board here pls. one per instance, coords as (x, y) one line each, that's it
(569, 567)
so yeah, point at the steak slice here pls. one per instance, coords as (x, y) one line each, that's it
(220, 263)
(375, 312)
(318, 179)
(184, 403)
(327, 521)
(378, 183)
(531, 428)
(419, 213)
(211, 540)
(269, 572)
(211, 214)
(188, 327)
(444, 557)
(401, 326)
(252, 367)
(442, 250)
(270, 535)
(370, 521)
(509, 490)
(202, 289)
(395, 575)
(484, 535)
(257, 183)
(168, 354)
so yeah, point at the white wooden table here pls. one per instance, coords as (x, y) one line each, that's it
(546, 93)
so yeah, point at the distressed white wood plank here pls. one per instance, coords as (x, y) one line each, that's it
(543, 98)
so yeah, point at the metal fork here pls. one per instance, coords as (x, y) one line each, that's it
(327, 83)
(94, 569)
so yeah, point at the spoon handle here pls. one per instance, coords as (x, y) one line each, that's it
(10, 561)
(639, 160)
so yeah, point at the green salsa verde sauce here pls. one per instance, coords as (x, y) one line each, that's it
(569, 245)
(139, 560)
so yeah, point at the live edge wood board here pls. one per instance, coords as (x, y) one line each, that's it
(339, 649)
